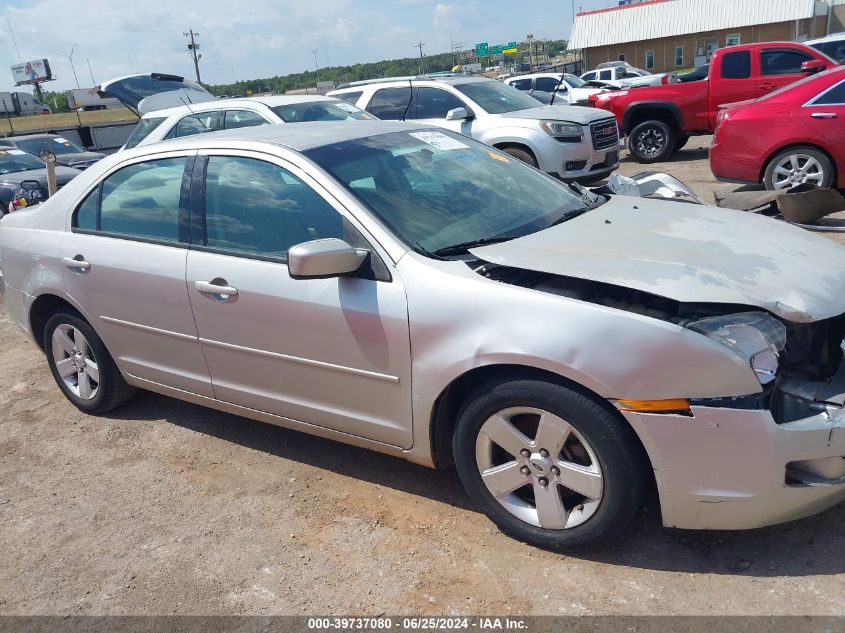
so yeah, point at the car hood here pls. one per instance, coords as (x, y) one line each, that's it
(576, 114)
(690, 253)
(63, 176)
(154, 91)
(79, 158)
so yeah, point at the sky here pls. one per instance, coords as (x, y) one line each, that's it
(248, 39)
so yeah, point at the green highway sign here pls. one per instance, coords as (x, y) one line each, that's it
(496, 50)
(481, 50)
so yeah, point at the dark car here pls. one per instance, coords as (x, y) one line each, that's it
(67, 153)
(695, 75)
(17, 166)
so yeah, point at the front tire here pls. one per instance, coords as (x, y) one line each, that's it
(81, 365)
(521, 154)
(798, 165)
(548, 465)
(652, 141)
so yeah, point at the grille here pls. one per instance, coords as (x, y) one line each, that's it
(605, 134)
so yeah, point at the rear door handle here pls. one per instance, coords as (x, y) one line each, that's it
(76, 263)
(213, 288)
(824, 115)
(766, 86)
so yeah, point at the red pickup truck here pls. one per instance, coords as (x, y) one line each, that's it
(659, 120)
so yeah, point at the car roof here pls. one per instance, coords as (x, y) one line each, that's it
(453, 80)
(26, 137)
(832, 36)
(300, 137)
(228, 104)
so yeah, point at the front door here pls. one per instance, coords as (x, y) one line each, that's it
(432, 106)
(329, 352)
(124, 261)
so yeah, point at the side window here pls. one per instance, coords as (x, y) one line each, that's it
(195, 124)
(649, 60)
(782, 62)
(679, 56)
(255, 207)
(736, 65)
(86, 214)
(834, 96)
(390, 103)
(548, 84)
(521, 84)
(589, 76)
(141, 200)
(433, 103)
(242, 118)
(349, 97)
(606, 75)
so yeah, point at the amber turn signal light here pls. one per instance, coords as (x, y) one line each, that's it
(678, 405)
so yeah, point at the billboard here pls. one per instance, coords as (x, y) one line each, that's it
(324, 87)
(31, 72)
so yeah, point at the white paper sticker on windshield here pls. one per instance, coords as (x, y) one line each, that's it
(17, 152)
(346, 106)
(439, 140)
(64, 141)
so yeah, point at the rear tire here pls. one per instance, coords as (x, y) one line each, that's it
(82, 366)
(500, 439)
(652, 141)
(798, 165)
(521, 154)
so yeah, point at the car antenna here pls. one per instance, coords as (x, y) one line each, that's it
(410, 98)
(191, 110)
(557, 87)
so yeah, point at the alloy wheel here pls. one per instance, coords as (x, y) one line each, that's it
(539, 468)
(796, 169)
(650, 142)
(75, 362)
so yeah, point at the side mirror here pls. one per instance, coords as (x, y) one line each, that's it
(813, 66)
(457, 114)
(322, 259)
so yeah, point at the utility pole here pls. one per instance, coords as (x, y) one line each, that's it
(422, 58)
(70, 59)
(93, 81)
(193, 47)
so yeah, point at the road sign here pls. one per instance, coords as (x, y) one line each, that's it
(496, 50)
(481, 50)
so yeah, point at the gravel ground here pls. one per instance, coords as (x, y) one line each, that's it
(164, 507)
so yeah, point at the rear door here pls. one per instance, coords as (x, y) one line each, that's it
(124, 262)
(732, 79)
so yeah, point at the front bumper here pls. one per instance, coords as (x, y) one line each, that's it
(582, 163)
(736, 469)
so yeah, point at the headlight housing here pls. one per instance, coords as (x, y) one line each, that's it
(756, 337)
(564, 131)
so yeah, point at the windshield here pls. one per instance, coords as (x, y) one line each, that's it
(319, 111)
(497, 98)
(14, 160)
(142, 130)
(573, 80)
(55, 144)
(436, 189)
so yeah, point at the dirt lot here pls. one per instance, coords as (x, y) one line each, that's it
(165, 507)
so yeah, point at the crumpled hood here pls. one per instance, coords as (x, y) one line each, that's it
(690, 253)
(576, 114)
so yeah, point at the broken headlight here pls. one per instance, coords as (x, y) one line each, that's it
(755, 336)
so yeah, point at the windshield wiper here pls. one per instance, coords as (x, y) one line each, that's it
(463, 247)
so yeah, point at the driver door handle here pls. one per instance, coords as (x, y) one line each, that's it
(766, 86)
(824, 115)
(209, 288)
(76, 264)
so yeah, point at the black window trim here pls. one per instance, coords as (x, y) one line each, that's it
(183, 215)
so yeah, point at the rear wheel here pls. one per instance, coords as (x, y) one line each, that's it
(796, 166)
(652, 141)
(521, 154)
(81, 365)
(549, 465)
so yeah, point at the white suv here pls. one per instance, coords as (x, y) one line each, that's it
(570, 142)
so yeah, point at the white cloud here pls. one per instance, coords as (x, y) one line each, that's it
(446, 16)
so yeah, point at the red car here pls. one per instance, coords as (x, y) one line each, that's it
(791, 136)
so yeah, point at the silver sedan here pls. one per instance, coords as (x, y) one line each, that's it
(418, 293)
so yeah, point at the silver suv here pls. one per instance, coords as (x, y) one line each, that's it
(572, 143)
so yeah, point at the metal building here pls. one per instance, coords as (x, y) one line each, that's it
(670, 35)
